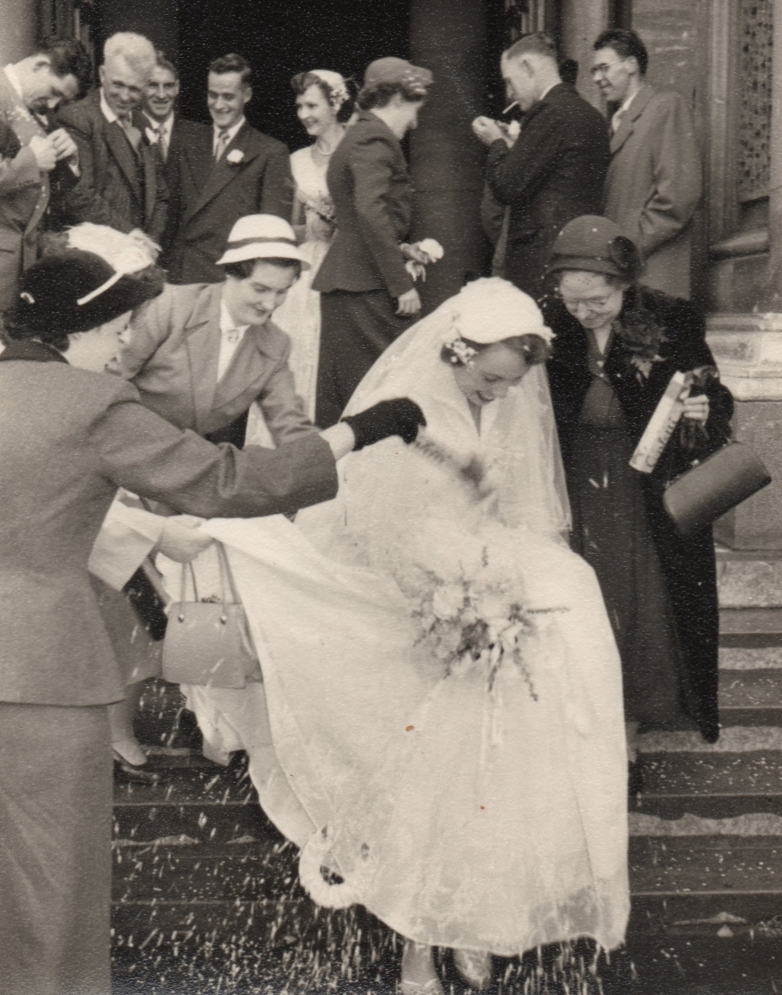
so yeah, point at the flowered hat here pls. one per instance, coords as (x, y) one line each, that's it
(394, 70)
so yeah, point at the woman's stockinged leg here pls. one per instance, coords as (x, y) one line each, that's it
(419, 976)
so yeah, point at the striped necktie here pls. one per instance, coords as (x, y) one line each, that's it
(221, 143)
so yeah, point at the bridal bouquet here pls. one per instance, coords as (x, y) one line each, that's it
(474, 623)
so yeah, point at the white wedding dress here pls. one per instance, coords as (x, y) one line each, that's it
(299, 315)
(461, 814)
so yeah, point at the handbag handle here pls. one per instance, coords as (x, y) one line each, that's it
(225, 575)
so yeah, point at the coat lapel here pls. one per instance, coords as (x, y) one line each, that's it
(223, 172)
(630, 116)
(202, 340)
(247, 369)
(120, 148)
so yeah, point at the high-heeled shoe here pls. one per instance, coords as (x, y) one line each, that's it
(475, 967)
(124, 770)
(430, 987)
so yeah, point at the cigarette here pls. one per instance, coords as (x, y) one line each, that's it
(510, 107)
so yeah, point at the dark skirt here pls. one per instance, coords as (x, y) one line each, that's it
(355, 329)
(611, 531)
(55, 850)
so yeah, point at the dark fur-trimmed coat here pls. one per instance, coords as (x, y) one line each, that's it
(688, 564)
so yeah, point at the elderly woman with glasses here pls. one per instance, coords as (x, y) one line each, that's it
(617, 346)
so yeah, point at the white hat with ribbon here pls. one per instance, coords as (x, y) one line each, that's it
(261, 236)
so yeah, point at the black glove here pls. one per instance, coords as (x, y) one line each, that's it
(399, 416)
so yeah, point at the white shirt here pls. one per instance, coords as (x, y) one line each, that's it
(107, 112)
(617, 117)
(232, 133)
(13, 79)
(228, 331)
(163, 129)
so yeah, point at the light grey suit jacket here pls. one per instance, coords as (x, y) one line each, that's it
(654, 184)
(171, 356)
(68, 439)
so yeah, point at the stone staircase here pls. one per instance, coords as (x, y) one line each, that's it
(206, 895)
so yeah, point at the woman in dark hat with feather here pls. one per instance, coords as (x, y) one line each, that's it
(69, 437)
(617, 346)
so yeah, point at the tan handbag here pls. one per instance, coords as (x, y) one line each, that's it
(712, 487)
(209, 642)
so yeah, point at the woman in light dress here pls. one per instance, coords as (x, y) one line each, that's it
(322, 105)
(476, 802)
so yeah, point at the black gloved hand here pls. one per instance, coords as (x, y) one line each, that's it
(399, 416)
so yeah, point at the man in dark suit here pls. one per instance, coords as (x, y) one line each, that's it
(226, 172)
(556, 168)
(44, 164)
(122, 182)
(171, 133)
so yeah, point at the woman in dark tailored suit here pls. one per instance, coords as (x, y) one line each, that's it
(617, 346)
(367, 295)
(69, 437)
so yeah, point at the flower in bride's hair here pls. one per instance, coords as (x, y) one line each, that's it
(460, 351)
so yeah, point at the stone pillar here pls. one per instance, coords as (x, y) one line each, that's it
(447, 161)
(748, 351)
(20, 24)
(775, 184)
(581, 24)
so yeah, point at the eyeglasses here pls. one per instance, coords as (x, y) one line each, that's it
(604, 68)
(592, 304)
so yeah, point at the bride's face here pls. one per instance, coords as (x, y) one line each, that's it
(491, 374)
(314, 111)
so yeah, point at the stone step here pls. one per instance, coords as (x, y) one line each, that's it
(749, 582)
(753, 627)
(746, 658)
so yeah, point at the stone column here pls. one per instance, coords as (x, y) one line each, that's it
(581, 24)
(447, 162)
(748, 349)
(20, 23)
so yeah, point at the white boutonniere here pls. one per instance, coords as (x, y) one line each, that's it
(235, 156)
(152, 136)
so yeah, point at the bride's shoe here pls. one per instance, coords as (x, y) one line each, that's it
(430, 987)
(418, 957)
(475, 966)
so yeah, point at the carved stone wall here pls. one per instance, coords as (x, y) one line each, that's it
(755, 69)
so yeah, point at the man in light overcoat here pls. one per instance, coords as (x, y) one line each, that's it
(654, 180)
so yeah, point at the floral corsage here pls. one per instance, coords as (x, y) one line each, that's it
(642, 339)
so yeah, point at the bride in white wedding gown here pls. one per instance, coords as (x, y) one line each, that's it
(477, 804)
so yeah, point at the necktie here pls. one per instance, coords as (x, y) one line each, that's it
(232, 335)
(220, 145)
(133, 134)
(616, 120)
(162, 140)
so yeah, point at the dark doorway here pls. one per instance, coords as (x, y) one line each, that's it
(279, 39)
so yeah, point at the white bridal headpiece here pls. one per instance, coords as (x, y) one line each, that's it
(336, 83)
(490, 310)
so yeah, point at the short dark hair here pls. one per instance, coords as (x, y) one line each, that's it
(627, 45)
(379, 94)
(163, 62)
(301, 82)
(244, 269)
(67, 57)
(537, 43)
(233, 63)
